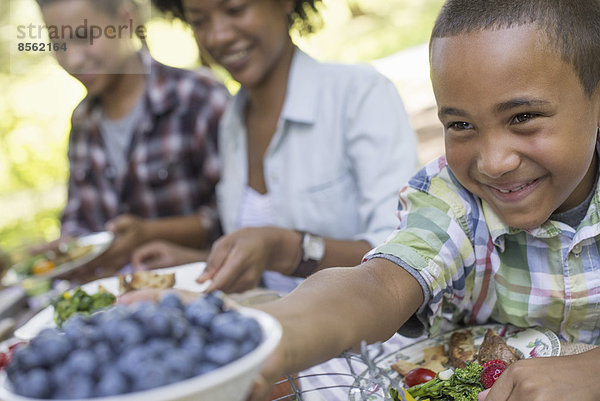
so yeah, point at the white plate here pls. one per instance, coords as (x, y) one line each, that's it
(185, 279)
(100, 242)
(528, 343)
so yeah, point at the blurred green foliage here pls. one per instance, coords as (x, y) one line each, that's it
(39, 97)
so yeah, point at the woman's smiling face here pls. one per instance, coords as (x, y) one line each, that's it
(246, 37)
(520, 131)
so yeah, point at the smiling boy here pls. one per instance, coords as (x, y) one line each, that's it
(506, 226)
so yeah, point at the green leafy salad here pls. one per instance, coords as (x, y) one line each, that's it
(79, 301)
(463, 385)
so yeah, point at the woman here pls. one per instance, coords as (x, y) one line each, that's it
(313, 155)
(142, 148)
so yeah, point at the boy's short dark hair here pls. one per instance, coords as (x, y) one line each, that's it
(304, 18)
(572, 27)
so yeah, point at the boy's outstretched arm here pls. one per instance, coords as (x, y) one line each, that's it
(334, 310)
(541, 379)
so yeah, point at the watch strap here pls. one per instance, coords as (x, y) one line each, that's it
(306, 266)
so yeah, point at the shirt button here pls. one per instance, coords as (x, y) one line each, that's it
(577, 249)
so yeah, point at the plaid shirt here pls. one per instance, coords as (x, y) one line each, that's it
(172, 158)
(474, 268)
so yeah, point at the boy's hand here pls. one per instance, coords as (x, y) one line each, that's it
(554, 378)
(154, 295)
(271, 371)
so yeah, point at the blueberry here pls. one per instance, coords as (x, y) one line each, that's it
(82, 361)
(149, 376)
(36, 384)
(111, 382)
(194, 343)
(229, 325)
(76, 320)
(216, 299)
(61, 374)
(51, 346)
(159, 346)
(171, 300)
(143, 311)
(179, 326)
(81, 335)
(79, 386)
(179, 365)
(254, 329)
(132, 359)
(123, 334)
(27, 358)
(201, 313)
(222, 352)
(246, 347)
(104, 352)
(160, 325)
(205, 367)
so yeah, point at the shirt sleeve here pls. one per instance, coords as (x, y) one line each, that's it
(381, 146)
(432, 243)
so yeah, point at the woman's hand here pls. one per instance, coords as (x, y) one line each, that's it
(157, 254)
(541, 379)
(237, 261)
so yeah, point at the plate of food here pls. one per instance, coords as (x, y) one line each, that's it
(179, 277)
(69, 256)
(479, 346)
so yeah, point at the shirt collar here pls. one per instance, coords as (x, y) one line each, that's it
(302, 96)
(301, 100)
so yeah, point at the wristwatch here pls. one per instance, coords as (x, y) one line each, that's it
(312, 249)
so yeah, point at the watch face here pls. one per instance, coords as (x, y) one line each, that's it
(314, 247)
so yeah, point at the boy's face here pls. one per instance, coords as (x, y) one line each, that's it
(520, 131)
(94, 64)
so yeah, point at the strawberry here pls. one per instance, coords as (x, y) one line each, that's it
(491, 371)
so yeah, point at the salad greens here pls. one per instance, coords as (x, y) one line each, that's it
(463, 385)
(79, 301)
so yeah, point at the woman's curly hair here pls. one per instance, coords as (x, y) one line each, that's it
(305, 18)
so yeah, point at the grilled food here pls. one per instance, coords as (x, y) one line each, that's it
(462, 349)
(495, 347)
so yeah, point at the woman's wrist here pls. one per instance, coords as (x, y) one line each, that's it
(285, 249)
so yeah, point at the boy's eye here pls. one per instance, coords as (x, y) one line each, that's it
(523, 117)
(459, 126)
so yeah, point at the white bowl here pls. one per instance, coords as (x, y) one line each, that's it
(231, 382)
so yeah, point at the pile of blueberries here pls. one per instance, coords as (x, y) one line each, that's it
(132, 348)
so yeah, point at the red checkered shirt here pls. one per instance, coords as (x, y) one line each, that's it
(172, 158)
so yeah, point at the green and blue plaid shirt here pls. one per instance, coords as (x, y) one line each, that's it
(474, 268)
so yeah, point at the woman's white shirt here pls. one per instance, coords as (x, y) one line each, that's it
(342, 150)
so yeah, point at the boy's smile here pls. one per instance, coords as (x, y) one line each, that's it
(520, 131)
